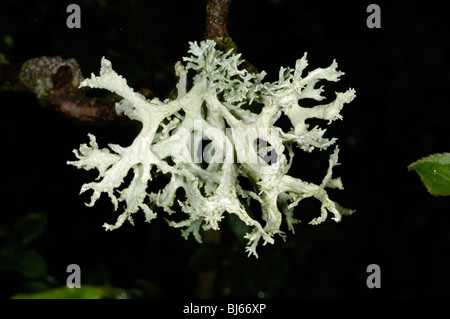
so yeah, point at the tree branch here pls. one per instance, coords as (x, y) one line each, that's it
(55, 82)
(216, 29)
(216, 24)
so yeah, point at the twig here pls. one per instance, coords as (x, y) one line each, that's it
(216, 24)
(55, 82)
(216, 29)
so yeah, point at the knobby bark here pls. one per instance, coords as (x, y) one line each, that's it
(216, 24)
(55, 82)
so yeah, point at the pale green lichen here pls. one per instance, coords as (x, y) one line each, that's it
(216, 108)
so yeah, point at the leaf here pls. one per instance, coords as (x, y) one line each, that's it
(30, 227)
(434, 171)
(85, 292)
(29, 263)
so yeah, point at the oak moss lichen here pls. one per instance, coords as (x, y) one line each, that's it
(215, 108)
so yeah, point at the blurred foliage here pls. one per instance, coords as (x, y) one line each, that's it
(28, 263)
(30, 227)
(21, 260)
(3, 60)
(15, 254)
(85, 292)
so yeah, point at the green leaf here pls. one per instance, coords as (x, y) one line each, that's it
(30, 227)
(434, 171)
(29, 263)
(85, 292)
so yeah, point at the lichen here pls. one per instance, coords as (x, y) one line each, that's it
(243, 144)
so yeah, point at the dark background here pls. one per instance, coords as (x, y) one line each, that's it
(401, 113)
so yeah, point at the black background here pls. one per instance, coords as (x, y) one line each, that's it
(401, 113)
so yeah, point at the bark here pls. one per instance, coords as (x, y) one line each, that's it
(216, 24)
(55, 82)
